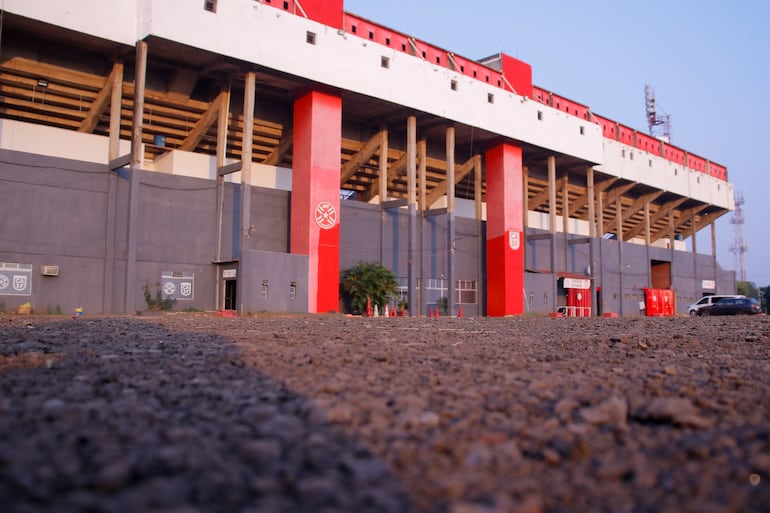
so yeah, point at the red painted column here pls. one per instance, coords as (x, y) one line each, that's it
(315, 197)
(505, 225)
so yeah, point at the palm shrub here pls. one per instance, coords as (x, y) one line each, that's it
(368, 281)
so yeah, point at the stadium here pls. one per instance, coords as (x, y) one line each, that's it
(237, 156)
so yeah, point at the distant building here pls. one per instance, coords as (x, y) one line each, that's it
(126, 169)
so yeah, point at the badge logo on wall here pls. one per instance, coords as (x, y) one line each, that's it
(514, 239)
(325, 215)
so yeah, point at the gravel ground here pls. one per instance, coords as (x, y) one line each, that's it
(194, 413)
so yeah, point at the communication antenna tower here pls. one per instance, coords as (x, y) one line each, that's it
(739, 248)
(659, 124)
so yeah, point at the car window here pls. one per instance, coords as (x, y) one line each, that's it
(703, 301)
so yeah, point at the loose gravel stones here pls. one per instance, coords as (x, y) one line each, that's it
(195, 413)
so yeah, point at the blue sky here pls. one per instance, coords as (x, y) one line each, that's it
(708, 62)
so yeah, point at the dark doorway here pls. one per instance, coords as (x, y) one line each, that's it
(229, 296)
(660, 273)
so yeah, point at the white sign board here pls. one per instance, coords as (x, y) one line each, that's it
(709, 284)
(229, 273)
(576, 283)
(15, 279)
(179, 286)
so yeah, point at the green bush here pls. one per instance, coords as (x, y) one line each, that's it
(157, 303)
(369, 281)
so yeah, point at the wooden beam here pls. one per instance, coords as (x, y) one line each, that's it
(116, 100)
(367, 151)
(541, 197)
(706, 220)
(279, 152)
(658, 216)
(382, 168)
(182, 84)
(685, 216)
(641, 202)
(205, 122)
(104, 96)
(460, 173)
(394, 170)
(617, 192)
(584, 199)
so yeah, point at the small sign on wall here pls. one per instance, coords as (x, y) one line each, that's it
(15, 279)
(177, 285)
(576, 283)
(709, 285)
(229, 273)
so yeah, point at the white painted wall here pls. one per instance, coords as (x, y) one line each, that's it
(635, 165)
(256, 33)
(114, 20)
(56, 142)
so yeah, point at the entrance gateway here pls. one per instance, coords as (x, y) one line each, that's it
(229, 289)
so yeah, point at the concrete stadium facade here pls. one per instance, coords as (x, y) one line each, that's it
(125, 165)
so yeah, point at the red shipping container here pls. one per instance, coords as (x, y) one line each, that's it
(579, 302)
(659, 303)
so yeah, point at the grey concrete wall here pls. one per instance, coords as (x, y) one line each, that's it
(620, 274)
(74, 214)
(370, 234)
(53, 211)
(273, 275)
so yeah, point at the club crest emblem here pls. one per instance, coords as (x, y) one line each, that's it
(514, 239)
(325, 215)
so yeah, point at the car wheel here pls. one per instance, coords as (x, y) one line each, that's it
(705, 313)
(693, 313)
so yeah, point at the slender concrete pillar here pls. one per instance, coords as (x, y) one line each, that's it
(383, 181)
(222, 120)
(116, 101)
(565, 216)
(450, 195)
(552, 225)
(621, 270)
(422, 173)
(600, 240)
(714, 249)
(411, 178)
(648, 263)
(696, 281)
(481, 292)
(135, 168)
(505, 223)
(591, 235)
(315, 197)
(245, 282)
